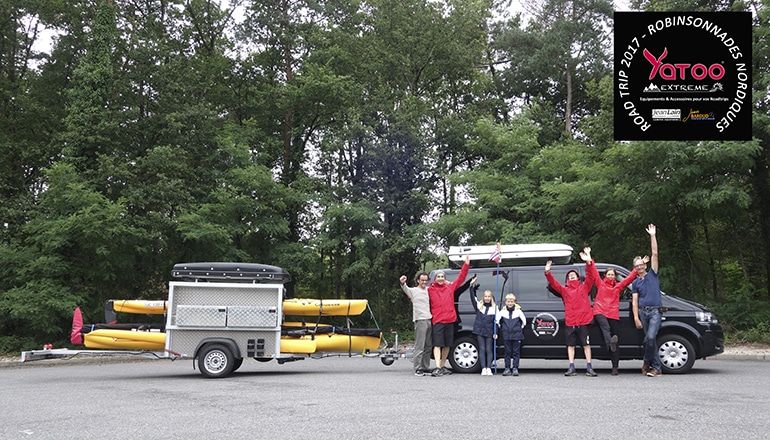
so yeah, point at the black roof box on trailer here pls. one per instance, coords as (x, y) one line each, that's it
(230, 272)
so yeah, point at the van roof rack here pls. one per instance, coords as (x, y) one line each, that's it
(511, 254)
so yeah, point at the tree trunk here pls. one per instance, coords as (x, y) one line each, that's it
(762, 189)
(684, 251)
(568, 105)
(712, 265)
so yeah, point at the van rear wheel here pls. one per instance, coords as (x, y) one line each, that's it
(464, 355)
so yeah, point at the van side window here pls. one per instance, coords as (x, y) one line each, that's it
(532, 285)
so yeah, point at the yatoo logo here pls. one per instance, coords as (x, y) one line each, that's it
(679, 71)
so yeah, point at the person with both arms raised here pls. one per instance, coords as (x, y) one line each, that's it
(578, 315)
(607, 308)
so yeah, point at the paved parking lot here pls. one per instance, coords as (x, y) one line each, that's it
(342, 398)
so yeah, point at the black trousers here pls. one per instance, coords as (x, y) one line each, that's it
(512, 353)
(609, 328)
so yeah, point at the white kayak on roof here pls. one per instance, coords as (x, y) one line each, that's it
(512, 254)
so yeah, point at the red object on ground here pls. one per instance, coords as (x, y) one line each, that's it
(77, 324)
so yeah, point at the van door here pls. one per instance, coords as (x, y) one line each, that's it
(544, 332)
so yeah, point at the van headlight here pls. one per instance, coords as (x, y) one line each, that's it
(706, 318)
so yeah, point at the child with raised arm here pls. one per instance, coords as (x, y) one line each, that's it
(511, 320)
(484, 327)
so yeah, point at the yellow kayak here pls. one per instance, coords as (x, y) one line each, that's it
(295, 307)
(335, 343)
(125, 340)
(156, 341)
(138, 306)
(298, 346)
(324, 307)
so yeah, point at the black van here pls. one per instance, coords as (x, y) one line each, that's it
(689, 330)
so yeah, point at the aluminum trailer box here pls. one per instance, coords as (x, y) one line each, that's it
(220, 324)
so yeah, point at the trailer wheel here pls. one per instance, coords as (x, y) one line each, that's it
(387, 360)
(216, 361)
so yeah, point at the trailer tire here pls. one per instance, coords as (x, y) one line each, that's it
(216, 361)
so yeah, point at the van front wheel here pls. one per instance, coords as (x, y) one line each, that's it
(464, 355)
(676, 353)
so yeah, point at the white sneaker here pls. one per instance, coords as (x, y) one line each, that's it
(483, 371)
(487, 372)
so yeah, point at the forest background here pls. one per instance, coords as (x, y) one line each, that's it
(350, 142)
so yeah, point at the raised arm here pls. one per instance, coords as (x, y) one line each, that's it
(652, 230)
(404, 287)
(627, 281)
(551, 280)
(593, 272)
(473, 298)
(592, 275)
(462, 275)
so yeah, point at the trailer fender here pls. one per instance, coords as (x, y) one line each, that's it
(229, 343)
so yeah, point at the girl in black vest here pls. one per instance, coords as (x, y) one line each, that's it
(511, 320)
(484, 328)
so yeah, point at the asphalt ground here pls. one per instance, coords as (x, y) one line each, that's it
(355, 398)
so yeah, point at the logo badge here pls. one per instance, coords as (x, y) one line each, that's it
(682, 76)
(545, 326)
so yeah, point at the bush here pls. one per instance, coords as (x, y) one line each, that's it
(13, 345)
(744, 319)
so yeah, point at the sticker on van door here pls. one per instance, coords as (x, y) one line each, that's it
(545, 326)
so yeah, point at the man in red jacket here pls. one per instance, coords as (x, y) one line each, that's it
(442, 307)
(577, 311)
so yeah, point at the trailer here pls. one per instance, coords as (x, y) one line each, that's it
(218, 314)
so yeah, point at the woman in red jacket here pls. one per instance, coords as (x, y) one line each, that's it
(607, 310)
(578, 315)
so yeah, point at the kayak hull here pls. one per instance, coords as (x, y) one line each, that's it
(125, 340)
(335, 343)
(293, 307)
(138, 306)
(324, 307)
(155, 341)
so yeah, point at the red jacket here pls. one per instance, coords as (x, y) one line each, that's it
(608, 293)
(442, 298)
(577, 306)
